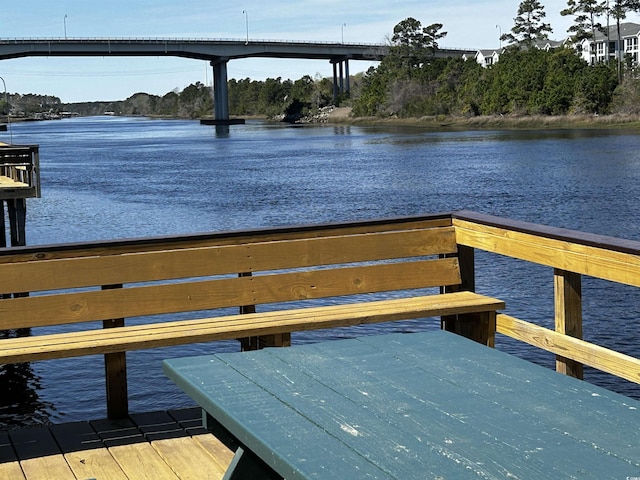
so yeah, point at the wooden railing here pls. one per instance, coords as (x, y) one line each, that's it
(571, 255)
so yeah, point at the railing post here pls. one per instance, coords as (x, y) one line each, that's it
(480, 327)
(115, 368)
(568, 316)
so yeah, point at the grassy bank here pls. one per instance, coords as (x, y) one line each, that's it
(500, 122)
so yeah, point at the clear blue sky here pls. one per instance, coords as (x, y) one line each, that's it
(470, 24)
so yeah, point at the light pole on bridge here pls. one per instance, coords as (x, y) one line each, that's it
(65, 26)
(342, 31)
(246, 21)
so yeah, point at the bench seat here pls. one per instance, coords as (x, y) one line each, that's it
(122, 339)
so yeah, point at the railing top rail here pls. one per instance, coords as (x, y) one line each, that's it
(168, 241)
(573, 236)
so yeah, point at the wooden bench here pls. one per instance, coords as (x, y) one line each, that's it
(302, 278)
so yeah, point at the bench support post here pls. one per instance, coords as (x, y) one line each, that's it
(480, 327)
(115, 368)
(256, 343)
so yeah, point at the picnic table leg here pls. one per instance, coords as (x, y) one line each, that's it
(480, 327)
(246, 465)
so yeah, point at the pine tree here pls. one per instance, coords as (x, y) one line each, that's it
(529, 26)
(618, 10)
(413, 45)
(586, 14)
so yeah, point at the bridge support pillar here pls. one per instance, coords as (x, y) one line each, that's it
(220, 90)
(341, 83)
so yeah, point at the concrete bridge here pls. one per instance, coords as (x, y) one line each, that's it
(217, 52)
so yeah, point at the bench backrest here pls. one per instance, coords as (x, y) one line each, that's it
(91, 282)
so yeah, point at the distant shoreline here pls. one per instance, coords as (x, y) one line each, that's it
(342, 116)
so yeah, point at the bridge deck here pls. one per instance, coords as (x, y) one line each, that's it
(154, 446)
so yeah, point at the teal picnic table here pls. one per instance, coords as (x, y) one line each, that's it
(429, 405)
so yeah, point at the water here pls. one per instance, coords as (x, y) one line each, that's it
(107, 178)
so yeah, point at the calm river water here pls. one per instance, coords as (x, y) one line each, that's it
(106, 178)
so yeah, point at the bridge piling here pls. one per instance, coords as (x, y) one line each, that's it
(220, 90)
(341, 82)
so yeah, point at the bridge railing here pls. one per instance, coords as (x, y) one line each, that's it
(70, 40)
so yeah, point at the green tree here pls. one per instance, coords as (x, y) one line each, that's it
(529, 26)
(413, 45)
(375, 85)
(618, 10)
(595, 89)
(585, 22)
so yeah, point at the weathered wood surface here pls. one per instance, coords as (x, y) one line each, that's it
(427, 405)
(161, 445)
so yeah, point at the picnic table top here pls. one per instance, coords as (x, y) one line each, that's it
(418, 405)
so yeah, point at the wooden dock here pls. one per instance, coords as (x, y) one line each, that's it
(19, 180)
(155, 446)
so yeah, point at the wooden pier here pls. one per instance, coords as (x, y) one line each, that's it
(19, 180)
(155, 446)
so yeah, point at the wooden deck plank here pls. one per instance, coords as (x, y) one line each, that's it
(11, 471)
(52, 466)
(75, 436)
(190, 458)
(156, 445)
(140, 461)
(39, 454)
(95, 463)
(221, 454)
(7, 454)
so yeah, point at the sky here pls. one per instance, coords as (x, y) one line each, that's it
(469, 24)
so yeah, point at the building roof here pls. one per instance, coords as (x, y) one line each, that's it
(627, 29)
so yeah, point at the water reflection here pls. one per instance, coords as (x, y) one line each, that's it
(222, 131)
(20, 403)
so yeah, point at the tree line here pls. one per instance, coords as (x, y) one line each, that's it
(271, 98)
(526, 80)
